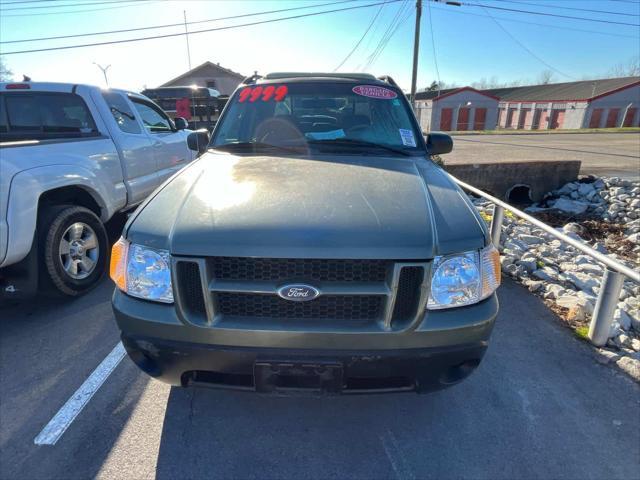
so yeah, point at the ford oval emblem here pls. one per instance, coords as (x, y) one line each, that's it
(298, 292)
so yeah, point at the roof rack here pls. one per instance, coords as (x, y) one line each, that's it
(252, 79)
(351, 76)
(389, 80)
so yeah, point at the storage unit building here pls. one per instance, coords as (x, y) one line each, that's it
(607, 103)
(458, 109)
(570, 105)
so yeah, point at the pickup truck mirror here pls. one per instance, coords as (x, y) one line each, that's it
(198, 141)
(180, 123)
(438, 143)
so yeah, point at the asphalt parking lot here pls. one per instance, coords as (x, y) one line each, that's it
(602, 154)
(538, 407)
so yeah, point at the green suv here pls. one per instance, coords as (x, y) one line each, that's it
(313, 246)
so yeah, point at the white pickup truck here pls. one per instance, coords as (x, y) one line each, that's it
(72, 156)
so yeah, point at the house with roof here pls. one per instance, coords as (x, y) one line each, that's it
(210, 75)
(606, 103)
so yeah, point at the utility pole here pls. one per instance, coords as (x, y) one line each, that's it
(416, 48)
(104, 72)
(186, 35)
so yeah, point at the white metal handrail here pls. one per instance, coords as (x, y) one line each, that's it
(612, 279)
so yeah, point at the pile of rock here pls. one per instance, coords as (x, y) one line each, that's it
(562, 275)
(611, 199)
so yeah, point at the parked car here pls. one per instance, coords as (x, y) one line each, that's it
(314, 247)
(71, 156)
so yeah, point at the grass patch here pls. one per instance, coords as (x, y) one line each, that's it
(582, 332)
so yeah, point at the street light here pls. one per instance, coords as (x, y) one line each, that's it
(104, 71)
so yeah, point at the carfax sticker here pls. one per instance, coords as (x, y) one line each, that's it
(408, 140)
(372, 91)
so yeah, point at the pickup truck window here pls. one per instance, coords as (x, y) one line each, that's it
(42, 116)
(121, 112)
(321, 116)
(153, 120)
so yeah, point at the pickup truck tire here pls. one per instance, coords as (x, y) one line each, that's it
(73, 250)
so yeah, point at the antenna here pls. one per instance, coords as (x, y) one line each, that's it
(186, 36)
(104, 71)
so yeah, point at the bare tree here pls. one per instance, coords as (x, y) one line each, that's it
(545, 77)
(442, 85)
(6, 75)
(630, 68)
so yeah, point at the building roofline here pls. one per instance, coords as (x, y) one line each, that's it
(207, 63)
(463, 89)
(588, 99)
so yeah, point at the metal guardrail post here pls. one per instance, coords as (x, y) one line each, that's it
(605, 307)
(496, 225)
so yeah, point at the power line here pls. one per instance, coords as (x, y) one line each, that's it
(58, 5)
(524, 47)
(570, 8)
(137, 29)
(194, 32)
(546, 14)
(386, 36)
(385, 33)
(361, 38)
(27, 1)
(549, 25)
(66, 12)
(433, 45)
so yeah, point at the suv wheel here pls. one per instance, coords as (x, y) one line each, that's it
(73, 248)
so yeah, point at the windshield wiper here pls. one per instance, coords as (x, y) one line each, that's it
(352, 142)
(253, 146)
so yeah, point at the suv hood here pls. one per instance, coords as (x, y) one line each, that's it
(321, 207)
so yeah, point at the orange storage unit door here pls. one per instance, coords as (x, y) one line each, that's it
(463, 119)
(612, 118)
(510, 114)
(557, 119)
(524, 119)
(596, 118)
(446, 115)
(628, 118)
(480, 119)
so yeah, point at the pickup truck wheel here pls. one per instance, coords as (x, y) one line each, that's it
(73, 249)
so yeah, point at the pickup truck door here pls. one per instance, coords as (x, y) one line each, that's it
(169, 145)
(134, 146)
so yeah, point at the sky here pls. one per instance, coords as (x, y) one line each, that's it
(466, 42)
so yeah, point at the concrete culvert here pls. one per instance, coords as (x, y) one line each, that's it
(519, 195)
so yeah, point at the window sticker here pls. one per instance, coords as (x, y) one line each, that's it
(330, 135)
(270, 92)
(372, 91)
(407, 137)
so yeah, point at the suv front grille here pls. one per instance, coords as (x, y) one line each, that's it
(241, 292)
(326, 307)
(292, 269)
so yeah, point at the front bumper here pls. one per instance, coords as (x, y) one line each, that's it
(444, 348)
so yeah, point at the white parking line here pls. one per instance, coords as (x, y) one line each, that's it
(52, 432)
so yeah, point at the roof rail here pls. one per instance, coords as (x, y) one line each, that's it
(389, 80)
(252, 79)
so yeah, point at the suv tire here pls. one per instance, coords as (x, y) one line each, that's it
(73, 250)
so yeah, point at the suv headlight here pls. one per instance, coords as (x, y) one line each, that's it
(464, 279)
(141, 272)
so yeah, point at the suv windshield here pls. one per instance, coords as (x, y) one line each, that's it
(322, 116)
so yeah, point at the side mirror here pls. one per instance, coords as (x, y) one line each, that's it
(439, 143)
(180, 123)
(198, 141)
